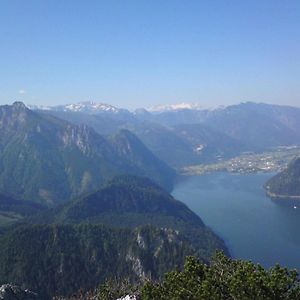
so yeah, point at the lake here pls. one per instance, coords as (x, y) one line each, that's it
(253, 226)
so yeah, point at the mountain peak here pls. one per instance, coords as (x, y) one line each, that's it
(13, 115)
(88, 107)
(19, 105)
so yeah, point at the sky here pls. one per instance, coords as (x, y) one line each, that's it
(144, 53)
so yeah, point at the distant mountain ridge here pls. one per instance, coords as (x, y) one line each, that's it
(166, 142)
(94, 107)
(258, 126)
(90, 107)
(46, 159)
(224, 132)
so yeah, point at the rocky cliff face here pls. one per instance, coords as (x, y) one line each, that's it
(129, 297)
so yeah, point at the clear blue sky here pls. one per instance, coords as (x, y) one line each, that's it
(147, 52)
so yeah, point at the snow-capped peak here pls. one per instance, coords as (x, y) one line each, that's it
(175, 107)
(39, 107)
(90, 106)
(86, 107)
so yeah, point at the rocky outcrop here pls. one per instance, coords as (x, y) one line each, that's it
(130, 297)
(13, 292)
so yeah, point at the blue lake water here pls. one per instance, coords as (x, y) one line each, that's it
(253, 226)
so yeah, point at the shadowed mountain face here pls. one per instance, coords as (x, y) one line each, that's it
(286, 183)
(123, 195)
(45, 159)
(13, 210)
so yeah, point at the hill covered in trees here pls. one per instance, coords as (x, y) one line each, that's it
(130, 201)
(61, 259)
(60, 250)
(286, 184)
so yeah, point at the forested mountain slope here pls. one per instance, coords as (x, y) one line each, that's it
(130, 201)
(287, 182)
(61, 259)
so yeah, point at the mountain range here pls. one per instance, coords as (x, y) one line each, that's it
(186, 134)
(49, 160)
(84, 188)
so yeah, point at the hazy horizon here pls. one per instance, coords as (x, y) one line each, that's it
(141, 54)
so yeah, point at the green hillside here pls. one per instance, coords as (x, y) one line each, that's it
(129, 201)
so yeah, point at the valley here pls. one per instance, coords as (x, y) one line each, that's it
(90, 182)
(86, 199)
(270, 161)
(149, 150)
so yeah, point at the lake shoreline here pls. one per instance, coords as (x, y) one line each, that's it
(237, 209)
(275, 196)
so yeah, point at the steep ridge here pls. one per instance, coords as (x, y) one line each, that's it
(127, 145)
